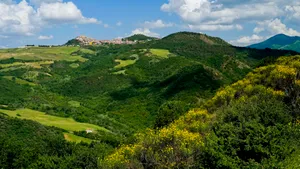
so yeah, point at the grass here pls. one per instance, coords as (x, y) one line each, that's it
(124, 63)
(87, 51)
(67, 124)
(121, 72)
(160, 52)
(74, 65)
(13, 68)
(36, 65)
(73, 138)
(19, 81)
(74, 103)
(40, 53)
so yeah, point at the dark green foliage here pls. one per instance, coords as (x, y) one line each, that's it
(11, 93)
(170, 111)
(73, 42)
(189, 78)
(139, 37)
(27, 144)
(251, 134)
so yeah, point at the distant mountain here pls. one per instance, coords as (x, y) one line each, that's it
(280, 41)
(140, 37)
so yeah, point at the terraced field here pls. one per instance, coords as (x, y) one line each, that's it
(40, 53)
(19, 81)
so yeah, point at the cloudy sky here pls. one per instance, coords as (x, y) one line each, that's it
(239, 22)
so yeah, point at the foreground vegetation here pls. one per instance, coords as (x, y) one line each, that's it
(253, 123)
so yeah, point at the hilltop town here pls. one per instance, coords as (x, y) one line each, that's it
(83, 40)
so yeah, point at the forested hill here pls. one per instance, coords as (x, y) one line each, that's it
(253, 123)
(140, 37)
(104, 95)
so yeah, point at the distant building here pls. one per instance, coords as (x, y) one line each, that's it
(90, 41)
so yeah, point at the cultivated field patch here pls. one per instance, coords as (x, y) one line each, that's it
(19, 81)
(44, 53)
(160, 53)
(73, 138)
(68, 124)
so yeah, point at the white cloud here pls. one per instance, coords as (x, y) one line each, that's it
(225, 14)
(119, 23)
(215, 27)
(275, 26)
(156, 24)
(23, 19)
(41, 37)
(62, 13)
(39, 2)
(247, 40)
(144, 31)
(18, 19)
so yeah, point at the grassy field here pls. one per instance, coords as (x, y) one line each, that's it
(160, 52)
(124, 63)
(40, 53)
(73, 138)
(59, 122)
(19, 65)
(121, 72)
(19, 81)
(74, 103)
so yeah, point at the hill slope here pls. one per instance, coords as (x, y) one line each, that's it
(139, 37)
(253, 123)
(280, 41)
(122, 88)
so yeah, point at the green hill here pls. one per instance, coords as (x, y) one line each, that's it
(122, 89)
(73, 42)
(280, 41)
(139, 37)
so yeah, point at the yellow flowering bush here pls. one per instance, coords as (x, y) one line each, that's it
(175, 146)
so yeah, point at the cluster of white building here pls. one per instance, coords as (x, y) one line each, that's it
(90, 41)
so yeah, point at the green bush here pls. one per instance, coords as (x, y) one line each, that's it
(250, 134)
(170, 111)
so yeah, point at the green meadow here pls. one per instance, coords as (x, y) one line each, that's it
(160, 52)
(42, 53)
(73, 138)
(67, 124)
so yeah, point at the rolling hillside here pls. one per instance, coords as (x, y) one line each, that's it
(116, 91)
(253, 123)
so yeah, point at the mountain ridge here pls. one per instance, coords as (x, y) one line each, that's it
(280, 41)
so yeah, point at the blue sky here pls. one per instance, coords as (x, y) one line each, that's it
(56, 21)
